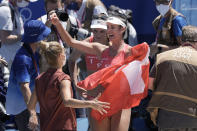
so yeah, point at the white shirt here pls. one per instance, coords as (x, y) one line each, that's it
(81, 12)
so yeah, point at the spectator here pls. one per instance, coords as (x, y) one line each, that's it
(11, 28)
(88, 8)
(54, 93)
(53, 36)
(168, 26)
(174, 89)
(24, 70)
(117, 52)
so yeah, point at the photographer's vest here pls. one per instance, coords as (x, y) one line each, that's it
(90, 5)
(175, 82)
(166, 35)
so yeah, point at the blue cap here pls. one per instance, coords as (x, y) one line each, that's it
(34, 31)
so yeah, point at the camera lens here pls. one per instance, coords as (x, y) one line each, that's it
(62, 15)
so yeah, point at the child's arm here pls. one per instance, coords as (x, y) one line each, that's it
(74, 103)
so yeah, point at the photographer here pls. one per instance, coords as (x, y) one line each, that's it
(68, 22)
(53, 36)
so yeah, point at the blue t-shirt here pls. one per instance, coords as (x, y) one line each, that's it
(23, 70)
(178, 23)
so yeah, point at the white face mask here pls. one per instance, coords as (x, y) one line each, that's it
(163, 9)
(22, 4)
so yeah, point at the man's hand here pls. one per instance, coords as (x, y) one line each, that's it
(33, 121)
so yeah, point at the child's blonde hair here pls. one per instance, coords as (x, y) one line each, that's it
(51, 51)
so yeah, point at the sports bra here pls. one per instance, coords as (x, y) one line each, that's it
(94, 63)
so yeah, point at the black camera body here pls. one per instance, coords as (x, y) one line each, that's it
(62, 15)
(72, 25)
(80, 33)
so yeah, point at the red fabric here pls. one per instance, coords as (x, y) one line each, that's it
(94, 63)
(121, 91)
(53, 113)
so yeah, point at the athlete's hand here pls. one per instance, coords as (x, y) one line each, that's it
(53, 17)
(96, 91)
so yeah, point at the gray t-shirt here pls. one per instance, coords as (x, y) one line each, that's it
(9, 50)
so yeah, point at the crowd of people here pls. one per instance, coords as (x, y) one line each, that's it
(42, 61)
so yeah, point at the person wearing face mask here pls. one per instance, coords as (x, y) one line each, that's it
(168, 26)
(24, 70)
(11, 27)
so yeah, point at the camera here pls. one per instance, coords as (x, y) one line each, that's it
(62, 15)
(80, 33)
(71, 25)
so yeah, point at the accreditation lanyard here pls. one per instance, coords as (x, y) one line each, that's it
(27, 47)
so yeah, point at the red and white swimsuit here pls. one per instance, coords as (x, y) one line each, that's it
(94, 63)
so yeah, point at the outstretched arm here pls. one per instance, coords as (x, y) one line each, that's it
(74, 103)
(83, 46)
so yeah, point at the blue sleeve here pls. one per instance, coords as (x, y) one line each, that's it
(178, 23)
(21, 67)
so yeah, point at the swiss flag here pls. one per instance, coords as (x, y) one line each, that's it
(125, 83)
